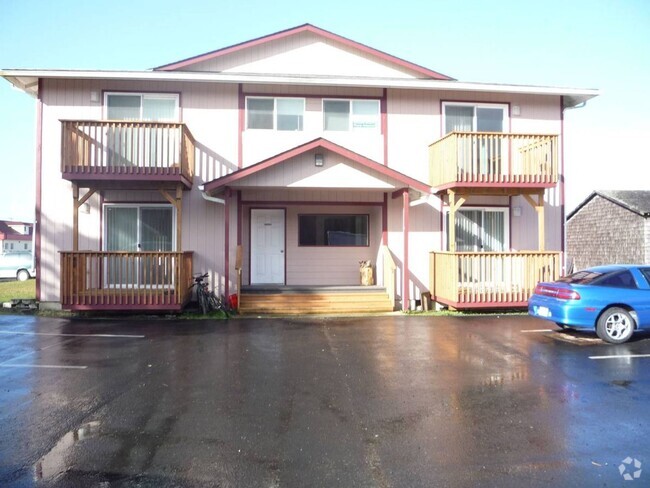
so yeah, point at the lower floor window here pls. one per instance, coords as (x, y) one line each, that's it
(139, 228)
(480, 229)
(333, 230)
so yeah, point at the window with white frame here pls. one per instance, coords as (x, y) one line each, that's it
(351, 115)
(480, 229)
(286, 114)
(474, 117)
(154, 107)
(131, 227)
(137, 229)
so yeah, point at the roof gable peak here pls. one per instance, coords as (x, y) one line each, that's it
(420, 70)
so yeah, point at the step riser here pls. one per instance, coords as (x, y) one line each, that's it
(290, 304)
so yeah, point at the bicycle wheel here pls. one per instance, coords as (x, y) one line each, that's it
(203, 301)
(213, 302)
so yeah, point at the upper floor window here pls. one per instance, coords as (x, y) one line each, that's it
(154, 107)
(474, 117)
(275, 113)
(351, 115)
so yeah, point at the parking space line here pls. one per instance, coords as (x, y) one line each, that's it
(621, 356)
(123, 336)
(526, 331)
(46, 366)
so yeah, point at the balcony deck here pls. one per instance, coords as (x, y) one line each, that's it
(126, 154)
(125, 281)
(494, 162)
(467, 280)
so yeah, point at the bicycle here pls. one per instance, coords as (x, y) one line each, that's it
(208, 301)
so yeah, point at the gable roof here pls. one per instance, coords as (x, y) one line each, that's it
(637, 201)
(10, 234)
(319, 143)
(425, 72)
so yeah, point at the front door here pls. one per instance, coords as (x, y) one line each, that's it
(267, 246)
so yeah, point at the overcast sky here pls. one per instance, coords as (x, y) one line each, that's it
(602, 44)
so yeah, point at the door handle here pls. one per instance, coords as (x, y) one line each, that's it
(281, 251)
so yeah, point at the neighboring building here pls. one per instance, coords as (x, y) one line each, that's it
(278, 164)
(15, 236)
(609, 227)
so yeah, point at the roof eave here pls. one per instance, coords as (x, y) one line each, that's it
(27, 80)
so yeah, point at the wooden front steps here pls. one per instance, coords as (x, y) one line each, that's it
(299, 300)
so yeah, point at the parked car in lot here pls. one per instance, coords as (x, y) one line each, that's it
(18, 265)
(615, 300)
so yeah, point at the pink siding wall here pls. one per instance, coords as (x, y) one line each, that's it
(211, 113)
(319, 265)
(304, 53)
(261, 144)
(414, 122)
(337, 171)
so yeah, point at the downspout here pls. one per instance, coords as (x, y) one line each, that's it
(210, 198)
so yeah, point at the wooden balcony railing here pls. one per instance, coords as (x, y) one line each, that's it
(490, 279)
(123, 149)
(94, 280)
(494, 158)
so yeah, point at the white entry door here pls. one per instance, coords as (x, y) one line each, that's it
(267, 246)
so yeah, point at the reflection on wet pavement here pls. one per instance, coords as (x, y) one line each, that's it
(382, 401)
(56, 461)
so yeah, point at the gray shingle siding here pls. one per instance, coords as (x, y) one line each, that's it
(602, 232)
(647, 240)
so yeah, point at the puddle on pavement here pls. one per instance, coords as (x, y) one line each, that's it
(54, 462)
(579, 338)
(500, 379)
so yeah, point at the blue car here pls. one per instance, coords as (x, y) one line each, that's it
(615, 300)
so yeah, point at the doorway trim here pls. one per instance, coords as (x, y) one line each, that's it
(251, 246)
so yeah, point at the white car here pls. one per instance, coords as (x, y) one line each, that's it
(18, 265)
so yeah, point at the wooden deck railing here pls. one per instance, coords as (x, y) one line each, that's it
(389, 268)
(95, 280)
(490, 279)
(119, 147)
(493, 157)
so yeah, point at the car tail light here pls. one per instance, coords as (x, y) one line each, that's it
(557, 292)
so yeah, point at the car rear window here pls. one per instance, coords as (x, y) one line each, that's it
(646, 274)
(617, 279)
(581, 277)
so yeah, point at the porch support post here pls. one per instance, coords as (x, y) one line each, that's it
(453, 206)
(384, 221)
(405, 231)
(76, 204)
(177, 202)
(539, 208)
(226, 245)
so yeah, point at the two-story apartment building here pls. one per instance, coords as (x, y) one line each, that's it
(278, 164)
(15, 236)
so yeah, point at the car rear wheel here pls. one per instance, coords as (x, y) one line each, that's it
(22, 275)
(615, 325)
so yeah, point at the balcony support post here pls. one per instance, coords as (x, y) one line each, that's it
(177, 202)
(76, 205)
(454, 205)
(539, 208)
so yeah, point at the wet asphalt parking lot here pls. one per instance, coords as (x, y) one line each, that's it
(392, 401)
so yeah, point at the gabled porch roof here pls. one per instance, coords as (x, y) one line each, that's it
(349, 170)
